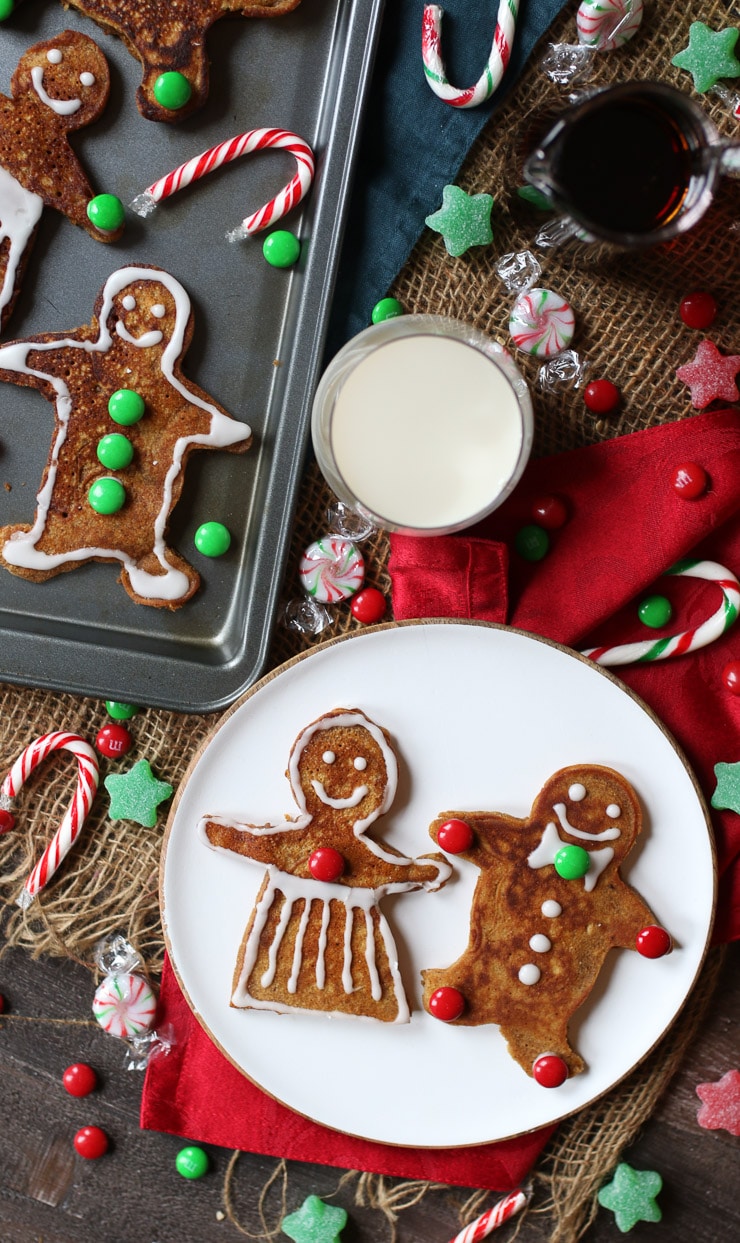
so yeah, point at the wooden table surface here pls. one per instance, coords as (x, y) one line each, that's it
(48, 1194)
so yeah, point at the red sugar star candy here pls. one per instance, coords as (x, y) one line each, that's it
(710, 375)
(720, 1110)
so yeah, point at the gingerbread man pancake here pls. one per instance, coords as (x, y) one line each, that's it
(548, 907)
(317, 939)
(59, 86)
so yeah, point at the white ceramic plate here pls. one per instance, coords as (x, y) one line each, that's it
(481, 716)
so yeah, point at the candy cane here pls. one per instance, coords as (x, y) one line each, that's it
(688, 640)
(431, 55)
(495, 1217)
(224, 153)
(66, 834)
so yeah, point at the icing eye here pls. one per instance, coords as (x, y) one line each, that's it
(360, 763)
(129, 302)
(613, 811)
(328, 757)
(577, 792)
(54, 56)
(158, 310)
(87, 79)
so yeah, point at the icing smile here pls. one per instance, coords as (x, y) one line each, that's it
(608, 835)
(338, 804)
(63, 107)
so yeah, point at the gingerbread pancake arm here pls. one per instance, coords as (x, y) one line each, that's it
(496, 836)
(628, 914)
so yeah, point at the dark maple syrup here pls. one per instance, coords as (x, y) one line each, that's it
(625, 165)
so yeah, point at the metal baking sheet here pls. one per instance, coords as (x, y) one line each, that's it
(257, 347)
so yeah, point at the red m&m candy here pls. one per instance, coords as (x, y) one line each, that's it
(698, 310)
(446, 1004)
(549, 1070)
(690, 480)
(601, 396)
(91, 1142)
(7, 820)
(326, 863)
(731, 677)
(454, 836)
(80, 1079)
(550, 512)
(368, 605)
(113, 741)
(652, 942)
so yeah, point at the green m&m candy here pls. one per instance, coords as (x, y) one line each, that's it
(532, 542)
(212, 539)
(572, 862)
(172, 90)
(655, 611)
(6, 8)
(106, 212)
(120, 711)
(115, 451)
(191, 1162)
(107, 495)
(387, 308)
(281, 249)
(126, 407)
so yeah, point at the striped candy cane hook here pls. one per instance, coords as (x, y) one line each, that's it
(501, 1212)
(224, 153)
(74, 817)
(688, 640)
(500, 55)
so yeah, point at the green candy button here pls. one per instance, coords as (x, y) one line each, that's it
(120, 711)
(106, 496)
(126, 407)
(572, 862)
(115, 451)
(281, 249)
(191, 1162)
(655, 611)
(532, 542)
(172, 90)
(6, 8)
(212, 539)
(387, 308)
(106, 212)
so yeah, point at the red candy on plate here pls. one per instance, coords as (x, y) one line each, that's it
(79, 1079)
(601, 396)
(113, 741)
(91, 1142)
(698, 310)
(549, 1070)
(446, 1004)
(455, 836)
(326, 863)
(652, 942)
(368, 606)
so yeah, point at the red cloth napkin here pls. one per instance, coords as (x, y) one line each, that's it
(627, 525)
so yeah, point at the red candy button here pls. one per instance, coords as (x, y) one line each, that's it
(550, 512)
(731, 677)
(550, 1071)
(698, 310)
(454, 836)
(652, 942)
(80, 1079)
(7, 820)
(601, 396)
(91, 1142)
(114, 740)
(368, 605)
(326, 863)
(446, 1004)
(690, 480)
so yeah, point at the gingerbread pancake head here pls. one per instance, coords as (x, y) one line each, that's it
(592, 807)
(344, 765)
(67, 74)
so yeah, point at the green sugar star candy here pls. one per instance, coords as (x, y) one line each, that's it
(315, 1222)
(710, 56)
(630, 1196)
(726, 796)
(464, 220)
(136, 795)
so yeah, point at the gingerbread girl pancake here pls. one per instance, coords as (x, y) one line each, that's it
(59, 85)
(317, 939)
(126, 423)
(548, 907)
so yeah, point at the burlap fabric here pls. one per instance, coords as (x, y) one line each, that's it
(629, 331)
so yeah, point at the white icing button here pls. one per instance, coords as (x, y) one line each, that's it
(529, 973)
(87, 79)
(613, 811)
(551, 909)
(129, 302)
(360, 763)
(54, 56)
(577, 792)
(328, 757)
(540, 943)
(158, 310)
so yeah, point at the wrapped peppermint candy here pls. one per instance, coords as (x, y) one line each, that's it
(603, 26)
(125, 1004)
(541, 322)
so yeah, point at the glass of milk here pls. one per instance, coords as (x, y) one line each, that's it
(423, 424)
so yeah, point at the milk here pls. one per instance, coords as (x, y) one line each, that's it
(425, 431)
